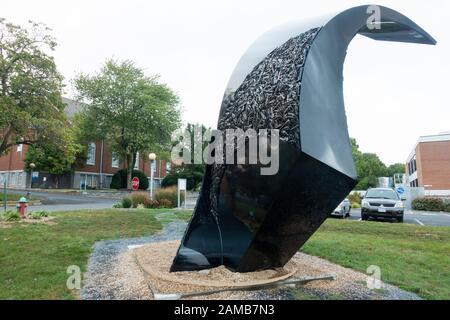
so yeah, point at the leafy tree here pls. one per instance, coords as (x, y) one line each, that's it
(395, 168)
(368, 167)
(31, 109)
(193, 173)
(57, 156)
(130, 111)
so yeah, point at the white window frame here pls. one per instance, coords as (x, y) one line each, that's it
(136, 165)
(19, 147)
(115, 161)
(90, 159)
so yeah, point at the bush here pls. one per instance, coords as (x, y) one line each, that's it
(355, 205)
(192, 173)
(117, 205)
(38, 214)
(138, 198)
(165, 203)
(429, 204)
(151, 204)
(446, 207)
(126, 203)
(10, 215)
(119, 179)
(354, 198)
(170, 194)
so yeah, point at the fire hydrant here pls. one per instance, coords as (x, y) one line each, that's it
(22, 207)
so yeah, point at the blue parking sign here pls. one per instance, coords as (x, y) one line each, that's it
(400, 190)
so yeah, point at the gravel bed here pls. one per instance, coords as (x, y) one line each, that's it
(113, 273)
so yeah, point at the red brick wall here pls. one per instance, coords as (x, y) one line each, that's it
(433, 164)
(13, 160)
(107, 163)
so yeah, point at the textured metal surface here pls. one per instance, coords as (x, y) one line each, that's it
(290, 79)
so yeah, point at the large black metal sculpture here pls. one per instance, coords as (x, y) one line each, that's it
(290, 79)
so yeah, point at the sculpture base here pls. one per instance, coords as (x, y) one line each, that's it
(155, 259)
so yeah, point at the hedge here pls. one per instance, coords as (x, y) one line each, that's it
(431, 204)
(119, 179)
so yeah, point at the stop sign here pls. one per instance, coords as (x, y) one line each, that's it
(135, 183)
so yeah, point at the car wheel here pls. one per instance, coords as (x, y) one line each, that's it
(364, 217)
(348, 212)
(400, 219)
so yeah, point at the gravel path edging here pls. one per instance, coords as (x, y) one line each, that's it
(111, 274)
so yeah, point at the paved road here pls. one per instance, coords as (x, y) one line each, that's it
(52, 201)
(416, 217)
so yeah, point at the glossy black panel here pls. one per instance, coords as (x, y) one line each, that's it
(290, 79)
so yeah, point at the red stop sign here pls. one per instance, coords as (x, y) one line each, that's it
(135, 183)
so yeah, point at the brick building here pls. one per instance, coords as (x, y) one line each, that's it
(96, 172)
(428, 165)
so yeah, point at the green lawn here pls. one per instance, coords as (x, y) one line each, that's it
(16, 197)
(34, 257)
(414, 258)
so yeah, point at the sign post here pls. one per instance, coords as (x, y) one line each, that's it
(182, 187)
(3, 180)
(135, 183)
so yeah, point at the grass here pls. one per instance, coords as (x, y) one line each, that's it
(16, 197)
(414, 258)
(34, 257)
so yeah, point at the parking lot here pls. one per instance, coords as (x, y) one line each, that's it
(415, 217)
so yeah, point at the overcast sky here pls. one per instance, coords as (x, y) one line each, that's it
(394, 92)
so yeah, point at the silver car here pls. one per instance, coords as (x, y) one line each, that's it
(342, 210)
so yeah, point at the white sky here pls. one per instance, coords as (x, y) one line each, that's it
(394, 92)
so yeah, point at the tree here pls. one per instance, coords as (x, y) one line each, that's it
(368, 167)
(31, 109)
(57, 156)
(130, 111)
(192, 172)
(395, 168)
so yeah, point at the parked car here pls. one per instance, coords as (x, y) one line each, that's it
(342, 210)
(382, 203)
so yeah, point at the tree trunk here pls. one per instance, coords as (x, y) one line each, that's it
(129, 170)
(131, 161)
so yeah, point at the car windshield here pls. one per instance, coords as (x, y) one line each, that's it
(382, 194)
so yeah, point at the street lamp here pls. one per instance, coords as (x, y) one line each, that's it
(152, 158)
(32, 166)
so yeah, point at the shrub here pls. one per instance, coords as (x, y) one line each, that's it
(11, 215)
(117, 205)
(38, 214)
(119, 179)
(126, 203)
(446, 207)
(354, 198)
(151, 204)
(355, 205)
(170, 193)
(138, 198)
(192, 173)
(428, 204)
(165, 203)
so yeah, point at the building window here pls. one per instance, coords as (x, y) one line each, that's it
(90, 160)
(168, 166)
(115, 160)
(136, 165)
(19, 147)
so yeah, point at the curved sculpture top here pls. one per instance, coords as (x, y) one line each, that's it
(290, 79)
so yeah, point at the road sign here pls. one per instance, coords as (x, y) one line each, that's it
(182, 187)
(182, 184)
(135, 183)
(400, 190)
